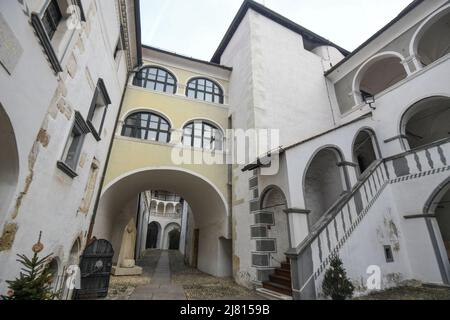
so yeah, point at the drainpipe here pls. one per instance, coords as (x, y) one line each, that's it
(105, 168)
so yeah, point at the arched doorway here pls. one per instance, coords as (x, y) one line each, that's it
(174, 239)
(9, 163)
(324, 183)
(432, 41)
(439, 206)
(427, 121)
(170, 236)
(274, 200)
(364, 152)
(208, 204)
(153, 232)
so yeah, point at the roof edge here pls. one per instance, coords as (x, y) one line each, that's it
(144, 46)
(272, 15)
(137, 18)
(403, 13)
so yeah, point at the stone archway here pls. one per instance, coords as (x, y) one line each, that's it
(153, 234)
(166, 239)
(378, 74)
(438, 206)
(208, 205)
(174, 239)
(364, 149)
(426, 121)
(432, 39)
(325, 181)
(273, 200)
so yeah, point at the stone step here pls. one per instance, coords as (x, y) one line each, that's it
(286, 266)
(283, 280)
(277, 288)
(283, 272)
(272, 295)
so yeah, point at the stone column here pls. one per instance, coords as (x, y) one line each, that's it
(297, 225)
(350, 171)
(303, 287)
(184, 221)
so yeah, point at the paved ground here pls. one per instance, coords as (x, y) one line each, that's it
(166, 277)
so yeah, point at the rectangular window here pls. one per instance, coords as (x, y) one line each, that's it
(51, 18)
(74, 145)
(97, 112)
(388, 254)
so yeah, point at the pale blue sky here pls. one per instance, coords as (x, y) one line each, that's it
(196, 27)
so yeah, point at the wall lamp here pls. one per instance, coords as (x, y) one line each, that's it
(369, 99)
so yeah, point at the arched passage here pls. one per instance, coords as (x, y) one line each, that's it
(153, 233)
(172, 236)
(9, 163)
(208, 205)
(170, 209)
(378, 74)
(274, 200)
(427, 121)
(324, 183)
(439, 206)
(364, 150)
(161, 208)
(432, 39)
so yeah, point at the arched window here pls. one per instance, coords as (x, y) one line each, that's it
(156, 79)
(204, 89)
(147, 126)
(201, 134)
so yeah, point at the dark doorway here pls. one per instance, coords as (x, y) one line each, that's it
(152, 236)
(174, 239)
(196, 240)
(364, 150)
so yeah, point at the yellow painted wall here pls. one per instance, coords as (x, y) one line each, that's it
(130, 154)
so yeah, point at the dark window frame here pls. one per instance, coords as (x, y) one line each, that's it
(137, 127)
(51, 18)
(217, 97)
(99, 90)
(192, 135)
(79, 130)
(143, 77)
(388, 254)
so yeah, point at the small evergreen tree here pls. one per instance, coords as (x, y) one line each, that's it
(335, 282)
(34, 282)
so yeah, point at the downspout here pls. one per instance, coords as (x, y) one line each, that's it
(137, 17)
(105, 168)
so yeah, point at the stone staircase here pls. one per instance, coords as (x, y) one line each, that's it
(280, 280)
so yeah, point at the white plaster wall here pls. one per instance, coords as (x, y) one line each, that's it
(365, 247)
(289, 88)
(238, 55)
(53, 209)
(410, 198)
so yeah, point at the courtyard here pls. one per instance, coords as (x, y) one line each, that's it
(166, 277)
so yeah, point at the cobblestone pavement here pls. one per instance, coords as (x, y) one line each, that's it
(200, 286)
(166, 277)
(121, 288)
